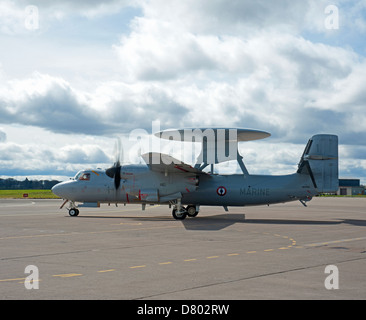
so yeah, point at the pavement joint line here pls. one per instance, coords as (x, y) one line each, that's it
(334, 241)
(85, 233)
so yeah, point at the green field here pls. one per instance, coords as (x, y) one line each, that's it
(32, 194)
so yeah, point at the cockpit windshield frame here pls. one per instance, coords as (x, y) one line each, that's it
(83, 176)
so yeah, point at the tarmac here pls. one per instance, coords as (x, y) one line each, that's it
(284, 251)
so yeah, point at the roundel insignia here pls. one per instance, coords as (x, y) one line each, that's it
(221, 191)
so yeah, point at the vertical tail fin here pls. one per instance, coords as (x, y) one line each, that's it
(320, 161)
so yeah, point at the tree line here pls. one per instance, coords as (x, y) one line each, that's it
(12, 184)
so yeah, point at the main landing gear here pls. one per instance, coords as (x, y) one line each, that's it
(190, 211)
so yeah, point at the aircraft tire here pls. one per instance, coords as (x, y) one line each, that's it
(73, 212)
(179, 216)
(191, 211)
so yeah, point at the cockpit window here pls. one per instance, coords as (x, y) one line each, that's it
(77, 176)
(85, 176)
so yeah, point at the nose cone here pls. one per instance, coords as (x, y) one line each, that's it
(62, 190)
(56, 189)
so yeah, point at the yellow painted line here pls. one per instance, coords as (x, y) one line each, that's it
(284, 248)
(233, 254)
(168, 262)
(15, 279)
(267, 250)
(68, 275)
(212, 257)
(109, 270)
(190, 260)
(251, 251)
(135, 267)
(29, 282)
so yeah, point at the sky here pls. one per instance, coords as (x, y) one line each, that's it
(74, 75)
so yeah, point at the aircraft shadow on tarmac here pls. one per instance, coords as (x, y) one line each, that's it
(222, 221)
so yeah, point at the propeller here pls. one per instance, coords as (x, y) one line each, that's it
(115, 171)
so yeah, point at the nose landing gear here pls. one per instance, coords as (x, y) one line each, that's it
(73, 212)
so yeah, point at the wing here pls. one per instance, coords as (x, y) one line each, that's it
(164, 163)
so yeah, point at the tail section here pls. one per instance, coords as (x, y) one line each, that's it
(320, 162)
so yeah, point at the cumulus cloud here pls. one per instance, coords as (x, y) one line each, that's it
(265, 65)
(46, 102)
(32, 158)
(272, 78)
(2, 136)
(82, 154)
(14, 15)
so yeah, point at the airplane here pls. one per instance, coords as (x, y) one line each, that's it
(165, 180)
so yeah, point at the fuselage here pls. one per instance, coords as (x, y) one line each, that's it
(141, 185)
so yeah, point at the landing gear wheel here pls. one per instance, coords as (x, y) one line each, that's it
(73, 212)
(191, 211)
(179, 215)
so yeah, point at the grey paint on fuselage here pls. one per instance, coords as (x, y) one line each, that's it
(250, 190)
(222, 190)
(176, 183)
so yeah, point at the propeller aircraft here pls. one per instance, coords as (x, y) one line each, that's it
(166, 180)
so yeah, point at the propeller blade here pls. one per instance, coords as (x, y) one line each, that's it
(114, 172)
(117, 177)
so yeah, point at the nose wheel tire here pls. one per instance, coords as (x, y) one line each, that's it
(73, 212)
